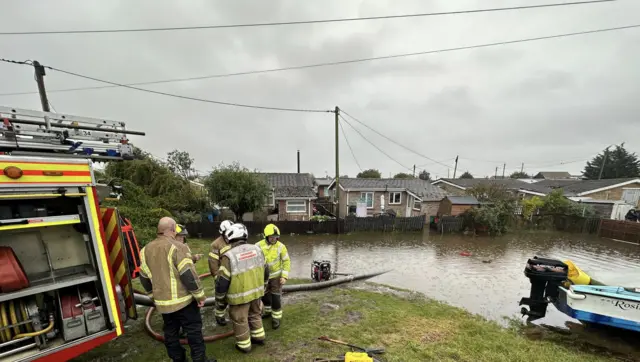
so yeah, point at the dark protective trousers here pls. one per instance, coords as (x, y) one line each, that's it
(190, 320)
(247, 323)
(272, 299)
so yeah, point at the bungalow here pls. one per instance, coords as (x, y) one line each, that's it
(407, 197)
(518, 188)
(323, 186)
(625, 189)
(553, 175)
(292, 195)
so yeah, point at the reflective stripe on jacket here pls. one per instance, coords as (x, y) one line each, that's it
(277, 258)
(243, 266)
(164, 261)
(214, 255)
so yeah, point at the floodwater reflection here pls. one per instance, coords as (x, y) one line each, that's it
(490, 282)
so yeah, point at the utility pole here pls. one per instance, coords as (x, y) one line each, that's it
(455, 168)
(604, 161)
(39, 75)
(522, 168)
(495, 176)
(504, 167)
(337, 193)
(414, 171)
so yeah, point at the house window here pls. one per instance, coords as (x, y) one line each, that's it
(296, 206)
(368, 198)
(631, 196)
(395, 198)
(417, 204)
(269, 200)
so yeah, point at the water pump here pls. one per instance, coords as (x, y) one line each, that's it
(320, 270)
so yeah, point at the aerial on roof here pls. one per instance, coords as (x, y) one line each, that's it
(291, 185)
(553, 175)
(423, 189)
(463, 200)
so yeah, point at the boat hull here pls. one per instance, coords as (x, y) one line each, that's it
(611, 306)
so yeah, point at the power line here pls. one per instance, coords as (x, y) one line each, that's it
(24, 62)
(371, 143)
(193, 98)
(322, 21)
(342, 62)
(344, 134)
(395, 142)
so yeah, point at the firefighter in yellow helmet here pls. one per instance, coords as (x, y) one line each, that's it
(181, 238)
(279, 266)
(240, 284)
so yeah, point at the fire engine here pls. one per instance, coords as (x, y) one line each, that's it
(66, 262)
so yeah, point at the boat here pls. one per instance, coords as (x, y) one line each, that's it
(604, 299)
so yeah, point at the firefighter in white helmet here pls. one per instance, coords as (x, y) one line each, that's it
(217, 245)
(240, 284)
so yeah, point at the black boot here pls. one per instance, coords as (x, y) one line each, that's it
(242, 350)
(275, 323)
(258, 342)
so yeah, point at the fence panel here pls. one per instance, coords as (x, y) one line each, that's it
(621, 230)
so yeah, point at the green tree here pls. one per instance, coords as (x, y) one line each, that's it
(556, 204)
(371, 173)
(424, 175)
(618, 163)
(519, 174)
(403, 175)
(498, 208)
(466, 175)
(181, 163)
(237, 188)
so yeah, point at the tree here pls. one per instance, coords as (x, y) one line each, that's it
(403, 175)
(181, 163)
(466, 175)
(618, 163)
(519, 174)
(424, 175)
(371, 173)
(237, 188)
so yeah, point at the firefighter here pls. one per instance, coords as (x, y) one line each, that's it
(241, 281)
(279, 265)
(217, 245)
(168, 272)
(181, 238)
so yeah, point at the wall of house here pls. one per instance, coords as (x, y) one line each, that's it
(283, 215)
(430, 208)
(453, 190)
(400, 209)
(613, 194)
(459, 209)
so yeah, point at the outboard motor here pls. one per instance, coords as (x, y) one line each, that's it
(546, 276)
(320, 270)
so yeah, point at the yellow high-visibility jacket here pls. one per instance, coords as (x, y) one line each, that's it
(277, 258)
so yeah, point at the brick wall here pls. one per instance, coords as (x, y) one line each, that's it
(430, 208)
(283, 215)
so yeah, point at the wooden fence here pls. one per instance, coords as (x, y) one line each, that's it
(620, 230)
(350, 224)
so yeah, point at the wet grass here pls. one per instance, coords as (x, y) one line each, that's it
(409, 326)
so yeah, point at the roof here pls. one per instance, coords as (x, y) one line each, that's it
(585, 187)
(291, 185)
(510, 184)
(325, 181)
(423, 189)
(463, 200)
(556, 183)
(553, 175)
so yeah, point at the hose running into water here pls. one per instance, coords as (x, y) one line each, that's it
(142, 299)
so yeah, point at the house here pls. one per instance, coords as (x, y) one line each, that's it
(625, 189)
(518, 188)
(553, 175)
(292, 195)
(323, 186)
(407, 197)
(456, 205)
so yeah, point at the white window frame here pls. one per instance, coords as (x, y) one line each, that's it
(364, 196)
(271, 199)
(296, 208)
(635, 189)
(418, 202)
(391, 198)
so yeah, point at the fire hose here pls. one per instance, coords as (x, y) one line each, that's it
(142, 299)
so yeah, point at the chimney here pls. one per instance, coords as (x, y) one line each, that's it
(298, 161)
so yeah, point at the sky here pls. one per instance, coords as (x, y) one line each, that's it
(549, 104)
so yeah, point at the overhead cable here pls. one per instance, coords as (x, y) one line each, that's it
(251, 25)
(344, 135)
(341, 62)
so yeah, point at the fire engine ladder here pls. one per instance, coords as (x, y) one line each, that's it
(35, 133)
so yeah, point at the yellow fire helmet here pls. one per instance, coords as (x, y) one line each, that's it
(271, 230)
(181, 230)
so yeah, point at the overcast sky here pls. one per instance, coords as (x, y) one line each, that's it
(542, 103)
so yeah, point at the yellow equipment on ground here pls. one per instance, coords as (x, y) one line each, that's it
(357, 357)
(576, 275)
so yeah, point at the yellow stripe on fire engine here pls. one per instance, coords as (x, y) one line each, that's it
(47, 166)
(117, 247)
(103, 260)
(76, 173)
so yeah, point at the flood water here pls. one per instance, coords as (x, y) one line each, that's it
(490, 282)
